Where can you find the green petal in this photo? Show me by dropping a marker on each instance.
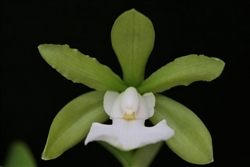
(132, 39)
(80, 68)
(19, 155)
(124, 157)
(183, 71)
(192, 141)
(73, 122)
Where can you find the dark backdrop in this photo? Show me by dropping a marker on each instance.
(32, 92)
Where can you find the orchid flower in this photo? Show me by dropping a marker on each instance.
(128, 111)
(129, 102)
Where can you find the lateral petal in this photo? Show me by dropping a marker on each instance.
(108, 100)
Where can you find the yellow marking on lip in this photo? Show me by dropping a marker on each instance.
(129, 116)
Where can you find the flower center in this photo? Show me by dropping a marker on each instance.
(129, 116)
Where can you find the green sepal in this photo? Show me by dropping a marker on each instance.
(183, 71)
(191, 141)
(81, 68)
(132, 38)
(73, 122)
(19, 154)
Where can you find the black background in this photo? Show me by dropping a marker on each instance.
(32, 92)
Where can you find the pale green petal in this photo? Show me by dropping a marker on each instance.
(132, 39)
(183, 71)
(124, 157)
(72, 123)
(81, 68)
(192, 141)
(19, 154)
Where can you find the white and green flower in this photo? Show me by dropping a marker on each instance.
(129, 102)
(128, 111)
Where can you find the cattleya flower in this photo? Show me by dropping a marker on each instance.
(129, 102)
